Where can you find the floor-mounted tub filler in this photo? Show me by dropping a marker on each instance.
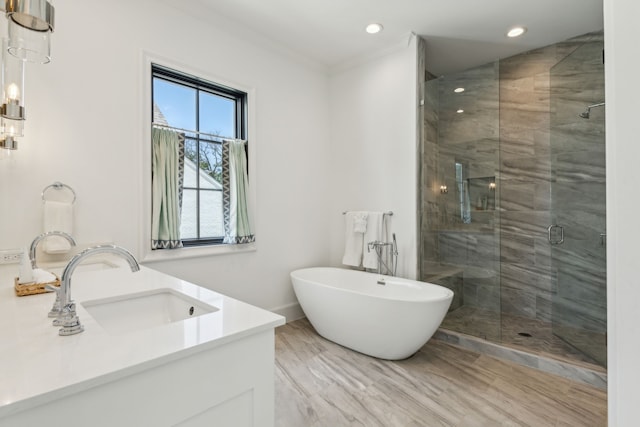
(381, 316)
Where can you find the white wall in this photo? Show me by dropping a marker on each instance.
(84, 124)
(623, 234)
(373, 147)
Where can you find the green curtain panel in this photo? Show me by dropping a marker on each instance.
(166, 189)
(235, 183)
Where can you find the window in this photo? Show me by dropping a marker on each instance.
(204, 113)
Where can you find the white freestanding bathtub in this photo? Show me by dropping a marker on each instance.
(389, 321)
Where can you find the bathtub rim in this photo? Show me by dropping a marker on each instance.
(425, 297)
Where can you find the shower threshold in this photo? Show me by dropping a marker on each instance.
(574, 370)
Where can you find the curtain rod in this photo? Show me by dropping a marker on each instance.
(192, 131)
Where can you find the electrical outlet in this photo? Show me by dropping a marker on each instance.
(10, 256)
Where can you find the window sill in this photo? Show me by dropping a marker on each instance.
(195, 252)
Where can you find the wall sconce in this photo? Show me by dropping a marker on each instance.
(492, 186)
(30, 24)
(444, 189)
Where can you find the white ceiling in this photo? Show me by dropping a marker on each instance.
(460, 33)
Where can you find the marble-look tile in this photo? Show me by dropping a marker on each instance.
(525, 169)
(526, 277)
(580, 314)
(518, 302)
(587, 376)
(544, 311)
(516, 248)
(579, 167)
(527, 64)
(517, 196)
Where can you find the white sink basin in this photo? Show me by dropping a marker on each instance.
(125, 313)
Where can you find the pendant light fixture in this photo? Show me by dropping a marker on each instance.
(30, 24)
(12, 110)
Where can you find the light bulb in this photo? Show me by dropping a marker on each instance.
(516, 32)
(374, 28)
(13, 92)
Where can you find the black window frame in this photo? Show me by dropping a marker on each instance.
(206, 86)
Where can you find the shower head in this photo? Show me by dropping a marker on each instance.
(586, 113)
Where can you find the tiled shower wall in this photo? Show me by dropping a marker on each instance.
(503, 254)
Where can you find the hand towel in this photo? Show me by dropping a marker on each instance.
(360, 222)
(374, 233)
(353, 242)
(43, 276)
(58, 216)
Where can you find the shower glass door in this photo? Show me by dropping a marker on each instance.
(577, 234)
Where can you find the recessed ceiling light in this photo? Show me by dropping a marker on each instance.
(374, 28)
(460, 110)
(459, 90)
(516, 32)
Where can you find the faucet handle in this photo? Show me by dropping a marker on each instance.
(56, 309)
(69, 320)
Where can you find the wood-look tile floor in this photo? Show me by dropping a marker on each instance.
(321, 384)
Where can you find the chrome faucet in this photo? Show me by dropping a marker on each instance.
(38, 239)
(378, 247)
(67, 318)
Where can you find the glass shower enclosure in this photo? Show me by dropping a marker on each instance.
(512, 199)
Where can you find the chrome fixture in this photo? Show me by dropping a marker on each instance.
(586, 113)
(378, 246)
(38, 239)
(55, 310)
(68, 319)
(30, 24)
(552, 234)
(59, 186)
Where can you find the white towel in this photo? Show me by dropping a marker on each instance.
(360, 222)
(374, 233)
(353, 242)
(43, 276)
(58, 216)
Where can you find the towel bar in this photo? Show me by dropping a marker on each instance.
(59, 186)
(389, 213)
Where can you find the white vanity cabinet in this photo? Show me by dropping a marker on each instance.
(217, 370)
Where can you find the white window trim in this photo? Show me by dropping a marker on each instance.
(146, 254)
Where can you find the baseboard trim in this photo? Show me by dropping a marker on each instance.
(291, 311)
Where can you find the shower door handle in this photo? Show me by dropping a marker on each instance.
(550, 234)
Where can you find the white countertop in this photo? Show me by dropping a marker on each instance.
(38, 366)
